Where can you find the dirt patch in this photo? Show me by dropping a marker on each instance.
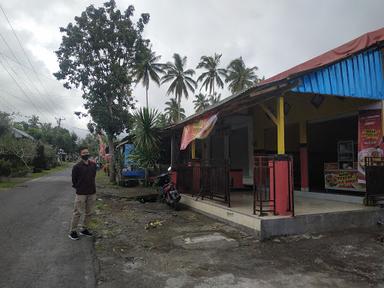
(130, 255)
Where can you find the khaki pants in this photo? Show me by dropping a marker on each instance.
(84, 206)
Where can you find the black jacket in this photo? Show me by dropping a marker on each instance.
(83, 178)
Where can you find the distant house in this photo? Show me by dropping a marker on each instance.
(21, 134)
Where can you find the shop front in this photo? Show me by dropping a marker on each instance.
(325, 116)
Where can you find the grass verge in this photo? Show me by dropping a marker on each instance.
(12, 182)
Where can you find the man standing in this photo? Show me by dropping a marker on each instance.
(83, 180)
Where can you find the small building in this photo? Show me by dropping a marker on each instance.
(17, 133)
(289, 155)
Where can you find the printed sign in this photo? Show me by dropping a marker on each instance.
(342, 179)
(370, 139)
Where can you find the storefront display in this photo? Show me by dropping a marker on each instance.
(343, 175)
(342, 179)
(370, 139)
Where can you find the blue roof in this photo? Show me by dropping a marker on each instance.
(359, 76)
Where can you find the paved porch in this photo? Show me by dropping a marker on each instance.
(314, 213)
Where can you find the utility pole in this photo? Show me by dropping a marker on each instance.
(58, 121)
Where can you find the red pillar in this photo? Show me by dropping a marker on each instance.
(304, 167)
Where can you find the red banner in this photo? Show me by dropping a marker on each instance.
(370, 139)
(197, 130)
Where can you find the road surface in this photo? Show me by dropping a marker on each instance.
(35, 250)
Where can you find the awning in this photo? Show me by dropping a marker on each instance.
(197, 130)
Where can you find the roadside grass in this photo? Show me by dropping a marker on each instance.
(102, 179)
(12, 182)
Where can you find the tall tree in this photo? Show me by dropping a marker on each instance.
(239, 76)
(149, 68)
(213, 73)
(214, 98)
(201, 102)
(174, 111)
(181, 79)
(34, 121)
(99, 53)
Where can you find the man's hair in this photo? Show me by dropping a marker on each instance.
(82, 148)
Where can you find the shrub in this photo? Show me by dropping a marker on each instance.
(39, 162)
(5, 168)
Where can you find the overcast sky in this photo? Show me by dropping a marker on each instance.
(273, 35)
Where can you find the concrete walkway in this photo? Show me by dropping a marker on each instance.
(35, 250)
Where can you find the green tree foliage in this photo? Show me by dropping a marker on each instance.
(22, 150)
(239, 76)
(99, 53)
(162, 120)
(212, 75)
(174, 111)
(58, 137)
(181, 80)
(91, 142)
(148, 69)
(214, 98)
(39, 162)
(5, 168)
(201, 102)
(146, 138)
(5, 123)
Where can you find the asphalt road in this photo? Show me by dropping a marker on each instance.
(35, 250)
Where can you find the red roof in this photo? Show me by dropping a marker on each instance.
(363, 42)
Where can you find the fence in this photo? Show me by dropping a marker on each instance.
(374, 176)
(209, 179)
(273, 185)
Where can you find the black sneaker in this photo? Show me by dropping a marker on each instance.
(73, 236)
(85, 232)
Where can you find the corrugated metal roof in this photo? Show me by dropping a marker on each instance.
(352, 47)
(358, 76)
(19, 133)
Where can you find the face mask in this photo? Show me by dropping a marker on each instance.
(85, 157)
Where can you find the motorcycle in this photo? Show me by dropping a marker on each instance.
(167, 190)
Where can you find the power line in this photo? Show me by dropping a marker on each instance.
(21, 88)
(26, 55)
(26, 74)
(23, 65)
(16, 74)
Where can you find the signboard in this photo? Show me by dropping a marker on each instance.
(342, 180)
(370, 139)
(197, 130)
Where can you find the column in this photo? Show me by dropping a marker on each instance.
(304, 157)
(280, 126)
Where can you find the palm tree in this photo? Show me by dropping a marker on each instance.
(146, 138)
(162, 120)
(201, 102)
(212, 74)
(181, 79)
(173, 111)
(149, 69)
(239, 76)
(214, 98)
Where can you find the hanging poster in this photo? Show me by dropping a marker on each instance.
(197, 130)
(370, 139)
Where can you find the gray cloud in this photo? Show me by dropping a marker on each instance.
(273, 35)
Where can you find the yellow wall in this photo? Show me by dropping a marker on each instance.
(301, 112)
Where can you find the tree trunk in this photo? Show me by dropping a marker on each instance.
(146, 95)
(178, 108)
(112, 172)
